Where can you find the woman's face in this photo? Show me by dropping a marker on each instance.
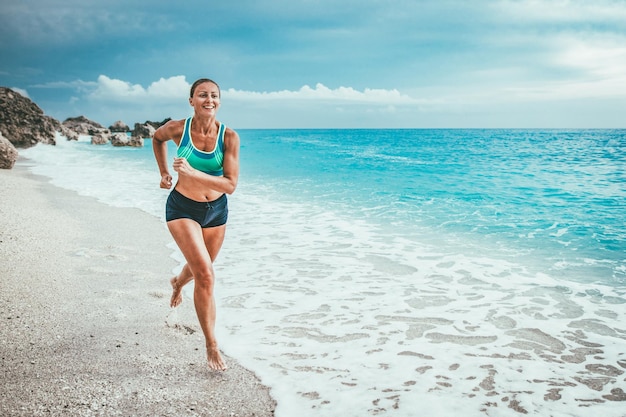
(206, 99)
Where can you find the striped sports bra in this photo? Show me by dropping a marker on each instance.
(211, 163)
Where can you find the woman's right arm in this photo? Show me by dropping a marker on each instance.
(170, 130)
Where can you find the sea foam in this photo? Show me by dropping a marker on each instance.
(395, 306)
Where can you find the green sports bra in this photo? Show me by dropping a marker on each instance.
(211, 163)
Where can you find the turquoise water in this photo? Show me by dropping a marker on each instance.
(409, 272)
(556, 198)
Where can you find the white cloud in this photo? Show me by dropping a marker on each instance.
(78, 85)
(111, 89)
(176, 89)
(173, 87)
(597, 67)
(571, 11)
(109, 99)
(21, 91)
(323, 93)
(601, 56)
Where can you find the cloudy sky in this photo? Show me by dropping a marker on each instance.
(323, 63)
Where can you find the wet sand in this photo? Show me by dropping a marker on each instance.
(86, 325)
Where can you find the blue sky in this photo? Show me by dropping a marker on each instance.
(324, 63)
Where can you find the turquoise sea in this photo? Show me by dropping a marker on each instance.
(410, 272)
(557, 199)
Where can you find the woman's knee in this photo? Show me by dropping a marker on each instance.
(204, 277)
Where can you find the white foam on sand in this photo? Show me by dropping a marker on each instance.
(342, 318)
(114, 176)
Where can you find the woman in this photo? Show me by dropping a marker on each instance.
(207, 164)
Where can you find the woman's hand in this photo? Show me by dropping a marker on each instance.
(166, 181)
(181, 165)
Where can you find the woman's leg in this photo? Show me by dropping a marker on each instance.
(213, 239)
(192, 241)
(178, 282)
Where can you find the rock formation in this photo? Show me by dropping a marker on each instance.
(119, 126)
(143, 130)
(136, 141)
(83, 126)
(23, 123)
(156, 125)
(119, 139)
(101, 137)
(122, 139)
(116, 134)
(8, 153)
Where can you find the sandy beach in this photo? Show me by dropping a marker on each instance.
(86, 323)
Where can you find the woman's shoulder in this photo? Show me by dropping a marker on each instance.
(175, 124)
(230, 133)
(231, 137)
(171, 129)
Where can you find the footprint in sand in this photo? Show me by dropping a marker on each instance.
(171, 321)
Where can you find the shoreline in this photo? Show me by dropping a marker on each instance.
(86, 323)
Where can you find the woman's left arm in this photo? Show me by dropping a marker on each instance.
(231, 161)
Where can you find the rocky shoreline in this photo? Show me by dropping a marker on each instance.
(23, 124)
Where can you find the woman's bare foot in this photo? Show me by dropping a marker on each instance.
(216, 363)
(177, 296)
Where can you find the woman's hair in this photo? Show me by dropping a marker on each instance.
(202, 81)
